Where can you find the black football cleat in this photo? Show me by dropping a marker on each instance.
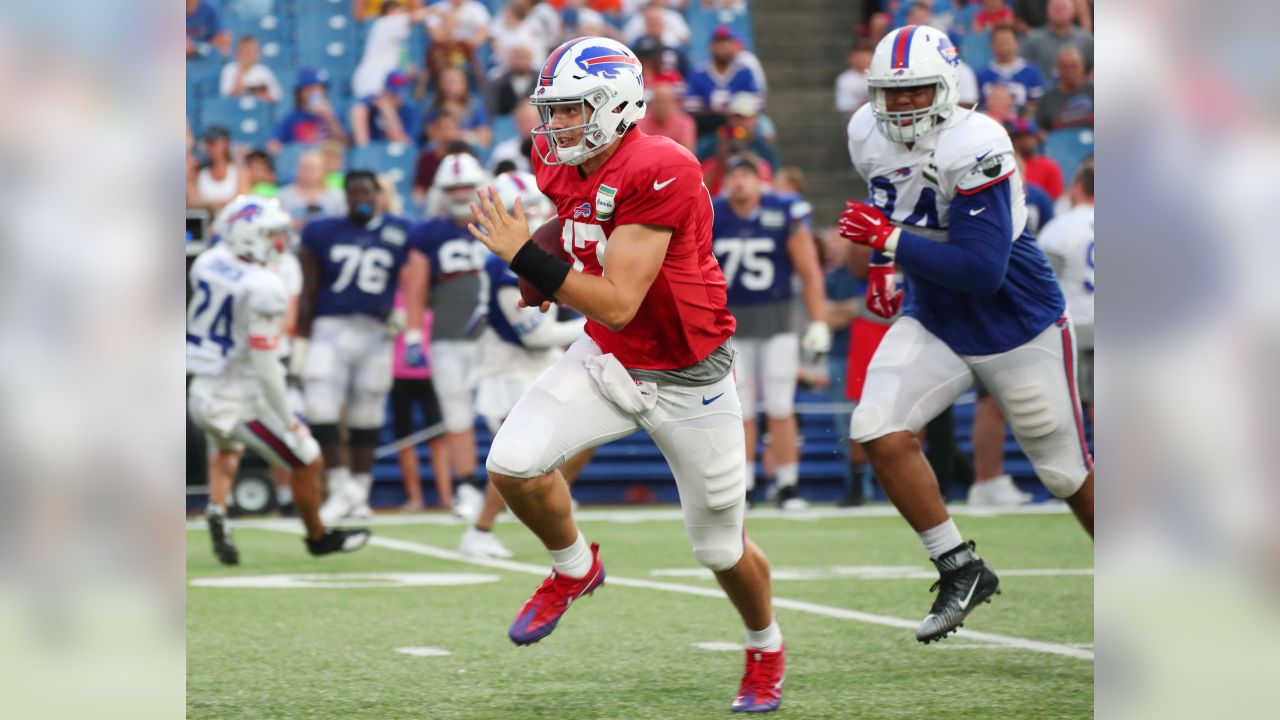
(338, 540)
(965, 582)
(224, 548)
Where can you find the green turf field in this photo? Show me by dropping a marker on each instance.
(849, 589)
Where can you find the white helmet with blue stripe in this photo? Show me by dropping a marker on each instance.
(515, 184)
(914, 56)
(255, 228)
(603, 78)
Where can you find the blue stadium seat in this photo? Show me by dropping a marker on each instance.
(1069, 148)
(328, 40)
(975, 50)
(249, 120)
(395, 160)
(287, 161)
(503, 127)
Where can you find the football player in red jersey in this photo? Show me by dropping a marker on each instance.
(657, 354)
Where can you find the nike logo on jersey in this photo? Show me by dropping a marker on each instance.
(977, 212)
(659, 185)
(705, 401)
(965, 603)
(983, 156)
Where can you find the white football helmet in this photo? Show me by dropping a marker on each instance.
(257, 229)
(603, 77)
(912, 56)
(515, 184)
(458, 178)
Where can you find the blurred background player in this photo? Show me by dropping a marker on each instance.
(1068, 243)
(514, 347)
(657, 354)
(238, 394)
(763, 242)
(454, 261)
(983, 303)
(412, 387)
(350, 268)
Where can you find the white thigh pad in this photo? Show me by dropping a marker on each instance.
(451, 360)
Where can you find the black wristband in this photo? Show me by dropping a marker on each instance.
(545, 271)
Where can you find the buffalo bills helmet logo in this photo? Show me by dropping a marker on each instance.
(948, 51)
(248, 212)
(606, 62)
(583, 211)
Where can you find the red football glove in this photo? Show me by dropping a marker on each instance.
(883, 296)
(865, 225)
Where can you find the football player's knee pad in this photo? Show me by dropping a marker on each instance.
(717, 547)
(779, 397)
(323, 399)
(367, 410)
(513, 457)
(325, 433)
(868, 423)
(1062, 484)
(365, 436)
(308, 450)
(457, 409)
(1028, 409)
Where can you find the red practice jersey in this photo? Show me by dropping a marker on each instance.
(649, 180)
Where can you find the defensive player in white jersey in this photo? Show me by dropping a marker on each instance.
(1068, 242)
(948, 207)
(515, 346)
(237, 395)
(764, 244)
(350, 268)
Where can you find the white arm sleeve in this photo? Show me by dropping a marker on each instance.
(537, 331)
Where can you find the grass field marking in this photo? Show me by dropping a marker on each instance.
(424, 651)
(658, 514)
(718, 646)
(866, 572)
(343, 580)
(797, 605)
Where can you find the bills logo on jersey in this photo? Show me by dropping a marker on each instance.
(604, 203)
(606, 62)
(902, 172)
(948, 51)
(582, 211)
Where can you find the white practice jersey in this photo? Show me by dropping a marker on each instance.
(231, 301)
(1068, 242)
(290, 272)
(915, 186)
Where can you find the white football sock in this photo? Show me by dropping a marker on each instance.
(768, 639)
(336, 479)
(284, 494)
(940, 539)
(788, 475)
(751, 476)
(573, 561)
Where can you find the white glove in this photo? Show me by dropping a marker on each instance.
(395, 322)
(817, 338)
(298, 356)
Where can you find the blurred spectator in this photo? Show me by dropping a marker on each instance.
(577, 19)
(247, 76)
(454, 94)
(1044, 45)
(510, 86)
(1032, 14)
(1039, 204)
(465, 21)
(1040, 170)
(262, 173)
(664, 117)
(519, 24)
(383, 49)
(308, 196)
(544, 21)
(220, 178)
(516, 150)
(851, 85)
(993, 13)
(444, 52)
(653, 42)
(790, 180)
(741, 134)
(1069, 104)
(1000, 104)
(335, 165)
(921, 13)
(443, 132)
(657, 70)
(389, 116)
(731, 71)
(673, 28)
(312, 119)
(363, 10)
(205, 30)
(1023, 80)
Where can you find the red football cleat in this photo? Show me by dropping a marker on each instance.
(761, 689)
(542, 611)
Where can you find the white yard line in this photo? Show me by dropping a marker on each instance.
(667, 513)
(796, 605)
